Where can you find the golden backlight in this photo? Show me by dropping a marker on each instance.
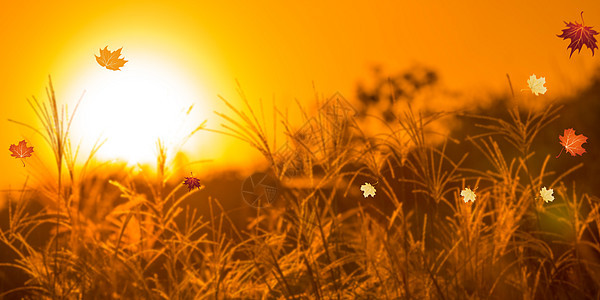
(146, 100)
(375, 150)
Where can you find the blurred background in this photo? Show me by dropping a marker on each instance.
(189, 53)
(393, 65)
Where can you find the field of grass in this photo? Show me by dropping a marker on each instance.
(111, 232)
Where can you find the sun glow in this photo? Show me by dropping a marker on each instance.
(147, 100)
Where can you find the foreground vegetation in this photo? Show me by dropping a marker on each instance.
(137, 235)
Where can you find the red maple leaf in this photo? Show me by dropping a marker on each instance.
(21, 150)
(580, 35)
(572, 142)
(192, 182)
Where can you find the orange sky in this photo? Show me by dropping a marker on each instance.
(278, 50)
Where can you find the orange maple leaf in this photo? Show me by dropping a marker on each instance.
(110, 59)
(572, 142)
(21, 151)
(580, 35)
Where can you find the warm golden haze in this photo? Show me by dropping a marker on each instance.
(278, 52)
(300, 150)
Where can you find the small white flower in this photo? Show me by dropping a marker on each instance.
(468, 195)
(547, 194)
(367, 189)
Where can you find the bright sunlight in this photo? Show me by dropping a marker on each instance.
(377, 150)
(146, 100)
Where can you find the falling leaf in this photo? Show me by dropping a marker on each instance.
(367, 190)
(572, 142)
(547, 194)
(468, 195)
(580, 35)
(192, 182)
(21, 151)
(536, 85)
(110, 59)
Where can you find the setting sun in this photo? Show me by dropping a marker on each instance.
(146, 100)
